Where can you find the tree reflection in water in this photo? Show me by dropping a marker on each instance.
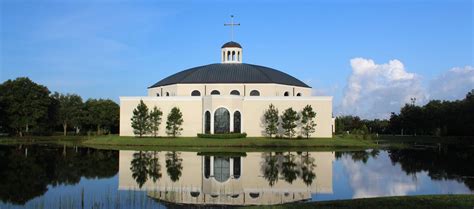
(359, 156)
(288, 166)
(443, 163)
(25, 175)
(173, 165)
(144, 165)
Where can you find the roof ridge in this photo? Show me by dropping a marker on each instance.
(254, 66)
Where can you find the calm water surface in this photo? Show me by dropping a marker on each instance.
(59, 177)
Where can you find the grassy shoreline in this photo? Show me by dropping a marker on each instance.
(241, 144)
(398, 202)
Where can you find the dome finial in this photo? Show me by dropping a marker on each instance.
(232, 24)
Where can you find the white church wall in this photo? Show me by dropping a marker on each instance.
(191, 107)
(265, 89)
(255, 107)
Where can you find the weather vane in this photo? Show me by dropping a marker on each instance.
(232, 24)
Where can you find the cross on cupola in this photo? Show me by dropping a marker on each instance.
(232, 24)
(231, 51)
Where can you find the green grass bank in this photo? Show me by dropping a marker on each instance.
(113, 140)
(402, 202)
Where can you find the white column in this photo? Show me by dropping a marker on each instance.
(212, 122)
(231, 121)
(231, 167)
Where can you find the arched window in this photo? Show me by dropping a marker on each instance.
(221, 121)
(236, 167)
(207, 122)
(233, 55)
(228, 55)
(298, 94)
(195, 93)
(286, 94)
(235, 92)
(237, 119)
(215, 92)
(167, 94)
(207, 166)
(238, 56)
(221, 168)
(157, 94)
(254, 93)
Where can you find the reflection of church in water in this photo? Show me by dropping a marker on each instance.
(252, 178)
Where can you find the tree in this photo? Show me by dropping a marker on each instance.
(174, 122)
(289, 121)
(308, 124)
(271, 120)
(24, 103)
(155, 120)
(174, 165)
(70, 110)
(103, 114)
(140, 120)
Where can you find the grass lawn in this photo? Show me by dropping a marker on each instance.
(412, 202)
(248, 142)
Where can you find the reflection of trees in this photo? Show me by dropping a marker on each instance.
(288, 167)
(173, 165)
(25, 177)
(145, 165)
(289, 170)
(448, 163)
(270, 168)
(154, 167)
(359, 156)
(307, 167)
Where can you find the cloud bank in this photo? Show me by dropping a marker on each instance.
(375, 90)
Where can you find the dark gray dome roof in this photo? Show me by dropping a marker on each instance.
(230, 73)
(231, 44)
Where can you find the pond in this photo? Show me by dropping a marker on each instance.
(75, 177)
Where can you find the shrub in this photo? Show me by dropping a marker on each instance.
(223, 136)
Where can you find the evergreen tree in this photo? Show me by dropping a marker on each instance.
(308, 124)
(155, 120)
(271, 120)
(174, 122)
(288, 121)
(140, 119)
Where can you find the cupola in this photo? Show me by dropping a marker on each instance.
(231, 52)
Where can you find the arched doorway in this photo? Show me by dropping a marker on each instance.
(237, 122)
(207, 122)
(221, 121)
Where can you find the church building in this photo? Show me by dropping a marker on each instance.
(230, 96)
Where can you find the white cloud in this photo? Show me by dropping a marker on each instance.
(374, 90)
(453, 84)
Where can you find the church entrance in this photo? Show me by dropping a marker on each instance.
(221, 121)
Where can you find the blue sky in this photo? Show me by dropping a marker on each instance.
(109, 49)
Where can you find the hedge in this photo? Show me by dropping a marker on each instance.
(223, 136)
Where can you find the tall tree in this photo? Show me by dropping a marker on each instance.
(140, 119)
(174, 122)
(24, 103)
(103, 114)
(271, 120)
(307, 120)
(174, 165)
(70, 109)
(155, 120)
(289, 121)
